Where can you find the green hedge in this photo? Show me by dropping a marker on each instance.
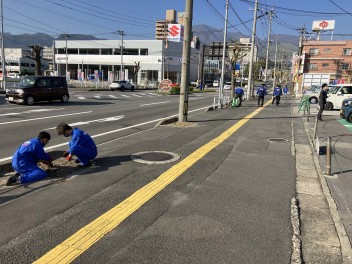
(176, 90)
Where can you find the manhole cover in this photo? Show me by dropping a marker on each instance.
(155, 157)
(278, 140)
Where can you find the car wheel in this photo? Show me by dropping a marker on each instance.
(329, 106)
(122, 88)
(64, 98)
(349, 119)
(313, 100)
(30, 100)
(132, 88)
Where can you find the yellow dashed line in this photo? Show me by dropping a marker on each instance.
(84, 238)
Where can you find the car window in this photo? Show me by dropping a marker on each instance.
(57, 82)
(346, 90)
(27, 81)
(334, 89)
(43, 82)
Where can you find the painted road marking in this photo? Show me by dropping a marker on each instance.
(44, 117)
(346, 124)
(81, 97)
(124, 95)
(84, 238)
(107, 119)
(114, 131)
(155, 103)
(136, 95)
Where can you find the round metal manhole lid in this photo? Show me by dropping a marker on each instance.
(155, 157)
(278, 140)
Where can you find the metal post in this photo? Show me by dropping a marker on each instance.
(250, 89)
(183, 105)
(274, 81)
(328, 156)
(66, 36)
(122, 75)
(315, 127)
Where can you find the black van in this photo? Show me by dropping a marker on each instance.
(33, 89)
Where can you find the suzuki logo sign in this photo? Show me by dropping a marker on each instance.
(323, 25)
(175, 32)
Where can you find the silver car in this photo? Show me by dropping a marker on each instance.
(121, 85)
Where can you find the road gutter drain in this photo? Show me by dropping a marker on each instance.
(155, 157)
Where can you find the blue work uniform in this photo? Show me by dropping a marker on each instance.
(276, 95)
(83, 146)
(239, 94)
(285, 90)
(261, 92)
(26, 158)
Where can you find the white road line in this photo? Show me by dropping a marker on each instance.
(81, 97)
(44, 117)
(112, 96)
(7, 114)
(124, 95)
(114, 131)
(136, 95)
(31, 111)
(154, 94)
(155, 103)
(97, 96)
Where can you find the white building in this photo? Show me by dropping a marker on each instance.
(156, 62)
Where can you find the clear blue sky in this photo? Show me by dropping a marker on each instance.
(137, 17)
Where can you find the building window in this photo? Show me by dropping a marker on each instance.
(345, 66)
(325, 65)
(327, 50)
(312, 66)
(144, 52)
(313, 51)
(346, 52)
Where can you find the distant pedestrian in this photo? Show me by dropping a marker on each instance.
(285, 90)
(277, 95)
(26, 158)
(239, 94)
(322, 100)
(81, 144)
(261, 92)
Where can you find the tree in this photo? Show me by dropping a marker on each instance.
(135, 69)
(235, 53)
(35, 54)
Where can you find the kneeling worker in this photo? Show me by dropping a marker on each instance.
(81, 144)
(26, 158)
(239, 94)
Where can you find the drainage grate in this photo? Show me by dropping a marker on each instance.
(278, 140)
(155, 157)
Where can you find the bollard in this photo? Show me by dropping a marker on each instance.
(308, 113)
(315, 127)
(328, 156)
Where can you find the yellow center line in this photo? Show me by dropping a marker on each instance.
(84, 238)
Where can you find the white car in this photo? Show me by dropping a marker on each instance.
(121, 85)
(227, 86)
(337, 93)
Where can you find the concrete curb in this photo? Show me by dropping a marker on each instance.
(346, 249)
(167, 121)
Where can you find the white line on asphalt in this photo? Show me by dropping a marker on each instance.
(124, 95)
(136, 95)
(44, 117)
(154, 94)
(7, 114)
(97, 96)
(81, 97)
(113, 96)
(155, 103)
(117, 130)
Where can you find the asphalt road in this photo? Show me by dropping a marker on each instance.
(95, 112)
(228, 205)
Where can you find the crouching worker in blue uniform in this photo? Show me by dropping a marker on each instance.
(26, 158)
(81, 144)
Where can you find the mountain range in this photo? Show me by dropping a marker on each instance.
(206, 34)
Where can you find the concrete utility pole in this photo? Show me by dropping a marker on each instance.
(274, 81)
(3, 66)
(221, 88)
(302, 30)
(66, 36)
(183, 105)
(250, 88)
(122, 73)
(271, 12)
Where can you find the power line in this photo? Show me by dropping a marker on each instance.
(340, 8)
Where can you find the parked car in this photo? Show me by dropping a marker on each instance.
(121, 85)
(346, 110)
(33, 89)
(337, 93)
(216, 83)
(227, 86)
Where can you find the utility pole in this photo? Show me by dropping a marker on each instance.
(221, 88)
(3, 50)
(302, 30)
(66, 36)
(274, 81)
(250, 89)
(122, 73)
(183, 105)
(271, 12)
(202, 86)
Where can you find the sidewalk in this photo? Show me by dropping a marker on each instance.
(337, 187)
